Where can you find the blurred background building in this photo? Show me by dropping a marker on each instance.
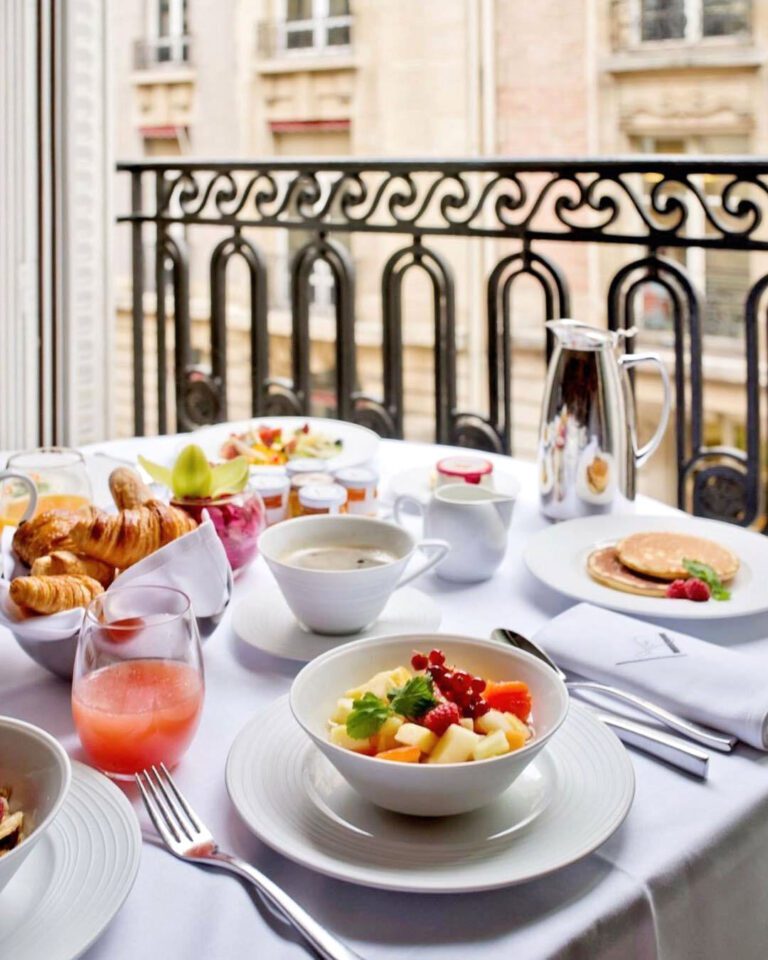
(246, 79)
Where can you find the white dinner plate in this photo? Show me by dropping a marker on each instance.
(558, 557)
(359, 445)
(570, 799)
(77, 877)
(262, 619)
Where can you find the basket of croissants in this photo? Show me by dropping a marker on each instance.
(66, 558)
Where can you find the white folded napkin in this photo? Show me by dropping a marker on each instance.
(195, 563)
(716, 686)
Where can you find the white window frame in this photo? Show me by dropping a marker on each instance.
(320, 24)
(176, 41)
(694, 24)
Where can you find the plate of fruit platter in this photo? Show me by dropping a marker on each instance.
(405, 766)
(674, 567)
(274, 441)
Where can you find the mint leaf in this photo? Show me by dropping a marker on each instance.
(704, 572)
(414, 698)
(367, 717)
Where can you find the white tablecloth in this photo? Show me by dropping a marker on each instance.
(686, 876)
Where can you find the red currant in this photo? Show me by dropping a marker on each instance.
(478, 684)
(461, 682)
(478, 708)
(437, 673)
(419, 661)
(436, 657)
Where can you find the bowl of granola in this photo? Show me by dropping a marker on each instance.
(35, 775)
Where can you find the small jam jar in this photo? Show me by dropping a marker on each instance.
(301, 480)
(361, 485)
(329, 498)
(296, 468)
(274, 492)
(464, 470)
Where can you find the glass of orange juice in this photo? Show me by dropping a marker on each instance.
(137, 686)
(61, 478)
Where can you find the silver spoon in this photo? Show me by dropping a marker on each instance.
(693, 731)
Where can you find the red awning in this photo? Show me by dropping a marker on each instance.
(302, 126)
(160, 133)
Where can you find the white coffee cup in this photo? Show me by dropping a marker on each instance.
(341, 602)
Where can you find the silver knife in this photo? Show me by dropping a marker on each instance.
(673, 750)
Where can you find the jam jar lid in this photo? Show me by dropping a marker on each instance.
(267, 470)
(270, 486)
(323, 495)
(466, 467)
(302, 466)
(357, 477)
(311, 479)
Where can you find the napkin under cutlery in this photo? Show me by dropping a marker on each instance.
(716, 686)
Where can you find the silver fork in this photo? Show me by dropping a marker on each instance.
(187, 837)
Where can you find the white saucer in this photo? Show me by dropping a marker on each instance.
(263, 620)
(566, 803)
(77, 877)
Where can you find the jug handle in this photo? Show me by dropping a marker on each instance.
(632, 360)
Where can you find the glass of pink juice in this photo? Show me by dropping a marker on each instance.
(137, 687)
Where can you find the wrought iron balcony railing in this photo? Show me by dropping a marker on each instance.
(164, 51)
(661, 207)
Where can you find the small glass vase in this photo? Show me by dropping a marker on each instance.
(239, 519)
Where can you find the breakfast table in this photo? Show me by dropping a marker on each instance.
(685, 876)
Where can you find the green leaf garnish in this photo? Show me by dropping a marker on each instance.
(229, 477)
(704, 572)
(367, 717)
(158, 473)
(414, 698)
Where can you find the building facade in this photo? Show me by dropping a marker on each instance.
(243, 79)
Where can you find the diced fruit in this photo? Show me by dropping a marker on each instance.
(455, 746)
(676, 590)
(342, 710)
(439, 718)
(467, 722)
(493, 720)
(511, 696)
(398, 678)
(517, 725)
(385, 738)
(515, 739)
(341, 738)
(494, 745)
(381, 684)
(697, 590)
(414, 735)
(401, 754)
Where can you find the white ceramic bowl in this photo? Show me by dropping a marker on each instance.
(426, 789)
(37, 769)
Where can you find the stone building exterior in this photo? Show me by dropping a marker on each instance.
(242, 79)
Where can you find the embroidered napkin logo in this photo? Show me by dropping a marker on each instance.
(655, 646)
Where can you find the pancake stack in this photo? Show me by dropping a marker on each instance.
(646, 563)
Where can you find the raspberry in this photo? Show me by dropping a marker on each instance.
(439, 718)
(436, 657)
(697, 590)
(676, 590)
(419, 661)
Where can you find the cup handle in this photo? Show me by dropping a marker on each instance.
(29, 484)
(440, 548)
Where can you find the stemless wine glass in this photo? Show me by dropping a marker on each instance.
(60, 475)
(137, 686)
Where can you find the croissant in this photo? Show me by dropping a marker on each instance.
(46, 532)
(127, 489)
(63, 561)
(53, 594)
(131, 535)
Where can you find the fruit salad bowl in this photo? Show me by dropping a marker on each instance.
(425, 789)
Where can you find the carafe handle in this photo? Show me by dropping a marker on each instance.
(635, 359)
